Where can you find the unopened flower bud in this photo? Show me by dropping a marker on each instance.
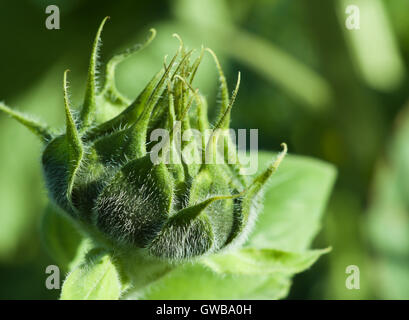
(101, 173)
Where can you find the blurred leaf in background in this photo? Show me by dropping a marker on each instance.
(384, 70)
(388, 219)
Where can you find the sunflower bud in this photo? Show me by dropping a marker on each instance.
(102, 173)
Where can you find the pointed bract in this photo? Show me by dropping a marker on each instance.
(224, 118)
(141, 126)
(223, 85)
(109, 89)
(127, 117)
(89, 107)
(40, 130)
(261, 180)
(195, 65)
(75, 147)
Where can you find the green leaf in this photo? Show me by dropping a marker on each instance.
(195, 281)
(251, 261)
(61, 237)
(294, 201)
(95, 279)
(245, 274)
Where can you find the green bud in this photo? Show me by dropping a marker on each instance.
(101, 173)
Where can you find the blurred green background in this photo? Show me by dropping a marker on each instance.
(331, 93)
